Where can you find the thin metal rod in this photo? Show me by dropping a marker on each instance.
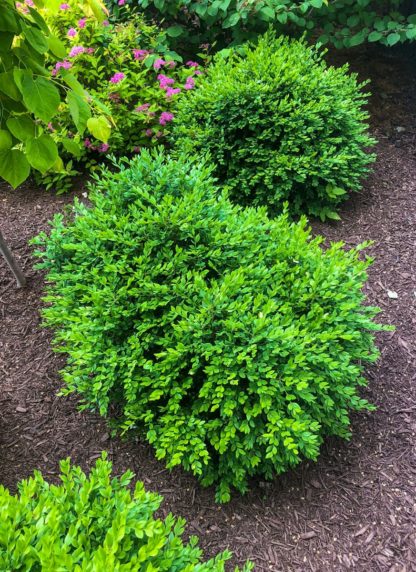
(14, 267)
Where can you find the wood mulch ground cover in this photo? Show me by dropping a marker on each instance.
(355, 509)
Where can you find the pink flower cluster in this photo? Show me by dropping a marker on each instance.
(76, 50)
(64, 65)
(190, 83)
(103, 148)
(140, 54)
(72, 33)
(82, 22)
(117, 77)
(64, 6)
(165, 117)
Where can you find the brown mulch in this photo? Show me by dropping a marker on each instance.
(355, 509)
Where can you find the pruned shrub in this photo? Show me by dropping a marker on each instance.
(93, 523)
(234, 341)
(280, 125)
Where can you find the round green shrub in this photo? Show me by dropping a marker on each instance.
(280, 125)
(93, 524)
(235, 341)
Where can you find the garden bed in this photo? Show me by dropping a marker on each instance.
(355, 507)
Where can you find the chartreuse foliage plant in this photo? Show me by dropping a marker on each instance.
(234, 342)
(280, 125)
(29, 97)
(343, 23)
(94, 524)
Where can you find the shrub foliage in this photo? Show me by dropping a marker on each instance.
(93, 524)
(280, 125)
(236, 342)
(344, 23)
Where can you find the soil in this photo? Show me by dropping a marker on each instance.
(354, 509)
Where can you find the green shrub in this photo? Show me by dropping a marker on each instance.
(93, 524)
(235, 341)
(344, 23)
(280, 125)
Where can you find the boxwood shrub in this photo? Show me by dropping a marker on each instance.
(234, 341)
(280, 125)
(93, 524)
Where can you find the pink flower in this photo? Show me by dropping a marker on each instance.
(65, 65)
(106, 23)
(143, 107)
(87, 143)
(121, 2)
(136, 149)
(140, 54)
(190, 83)
(171, 64)
(149, 132)
(64, 7)
(117, 77)
(172, 91)
(165, 117)
(90, 50)
(30, 3)
(158, 64)
(50, 126)
(197, 72)
(72, 33)
(192, 64)
(75, 51)
(104, 148)
(81, 23)
(165, 81)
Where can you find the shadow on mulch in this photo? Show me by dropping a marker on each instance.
(355, 507)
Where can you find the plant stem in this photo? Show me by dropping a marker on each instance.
(14, 267)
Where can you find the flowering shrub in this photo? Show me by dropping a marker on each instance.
(344, 23)
(29, 97)
(235, 342)
(94, 523)
(128, 69)
(280, 126)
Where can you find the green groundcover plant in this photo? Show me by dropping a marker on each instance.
(343, 23)
(94, 524)
(280, 125)
(235, 342)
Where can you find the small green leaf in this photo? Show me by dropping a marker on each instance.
(99, 127)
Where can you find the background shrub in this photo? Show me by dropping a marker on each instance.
(131, 74)
(344, 23)
(234, 341)
(93, 523)
(280, 125)
(29, 98)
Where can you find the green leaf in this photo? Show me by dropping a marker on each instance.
(72, 147)
(41, 152)
(6, 141)
(8, 21)
(80, 111)
(9, 87)
(22, 127)
(35, 38)
(40, 96)
(393, 38)
(99, 127)
(57, 47)
(174, 31)
(375, 36)
(14, 167)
